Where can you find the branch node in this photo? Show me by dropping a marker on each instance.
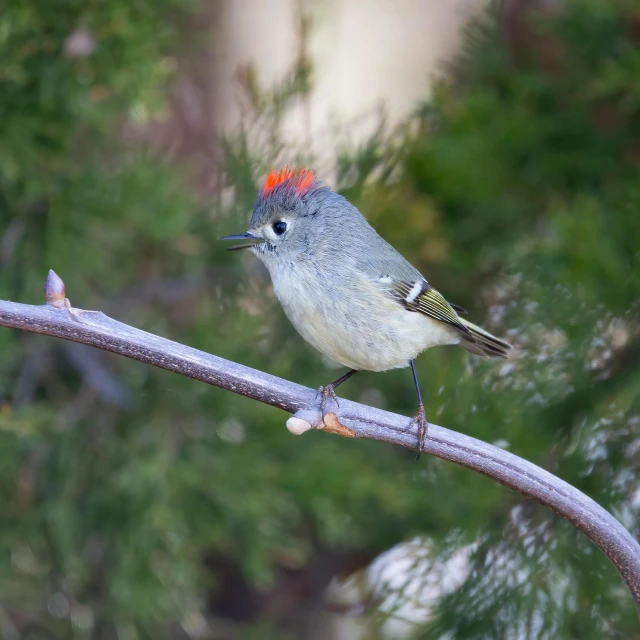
(333, 425)
(307, 419)
(304, 420)
(297, 426)
(54, 291)
(55, 296)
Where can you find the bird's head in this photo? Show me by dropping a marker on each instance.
(294, 215)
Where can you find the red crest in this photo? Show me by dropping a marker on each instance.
(299, 179)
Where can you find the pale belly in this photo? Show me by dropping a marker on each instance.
(370, 333)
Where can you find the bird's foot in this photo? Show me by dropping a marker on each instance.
(420, 420)
(325, 393)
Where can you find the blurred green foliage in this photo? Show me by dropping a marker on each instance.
(137, 504)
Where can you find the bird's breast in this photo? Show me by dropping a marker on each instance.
(352, 321)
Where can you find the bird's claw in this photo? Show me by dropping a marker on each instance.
(420, 420)
(325, 393)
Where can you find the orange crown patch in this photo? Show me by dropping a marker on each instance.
(301, 180)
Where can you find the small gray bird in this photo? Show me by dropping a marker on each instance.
(347, 291)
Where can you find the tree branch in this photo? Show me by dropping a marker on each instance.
(59, 319)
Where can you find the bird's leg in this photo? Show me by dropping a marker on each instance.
(329, 391)
(420, 418)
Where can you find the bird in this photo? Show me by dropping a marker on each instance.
(346, 290)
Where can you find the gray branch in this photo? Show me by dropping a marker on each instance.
(351, 419)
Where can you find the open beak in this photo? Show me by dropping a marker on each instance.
(250, 241)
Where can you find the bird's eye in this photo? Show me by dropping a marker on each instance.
(279, 227)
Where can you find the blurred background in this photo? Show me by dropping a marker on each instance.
(497, 145)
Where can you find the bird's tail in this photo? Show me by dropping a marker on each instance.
(482, 343)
